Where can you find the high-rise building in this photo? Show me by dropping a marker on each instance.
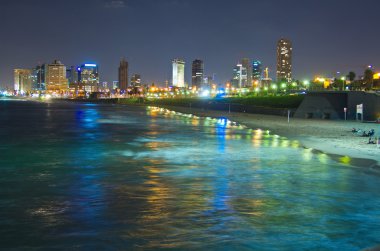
(284, 60)
(88, 75)
(22, 80)
(248, 68)
(209, 82)
(178, 73)
(197, 71)
(239, 78)
(136, 80)
(38, 78)
(123, 74)
(256, 70)
(72, 74)
(55, 77)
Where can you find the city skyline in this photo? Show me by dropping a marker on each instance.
(154, 44)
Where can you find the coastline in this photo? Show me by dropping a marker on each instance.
(328, 136)
(331, 137)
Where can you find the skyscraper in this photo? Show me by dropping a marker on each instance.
(38, 78)
(55, 75)
(239, 78)
(197, 70)
(256, 70)
(248, 69)
(284, 60)
(88, 75)
(22, 80)
(72, 75)
(123, 74)
(178, 73)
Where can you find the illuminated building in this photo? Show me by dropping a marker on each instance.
(376, 76)
(208, 82)
(197, 69)
(248, 69)
(136, 80)
(38, 78)
(72, 75)
(123, 74)
(22, 80)
(115, 85)
(256, 70)
(88, 76)
(239, 78)
(55, 77)
(178, 73)
(323, 82)
(284, 60)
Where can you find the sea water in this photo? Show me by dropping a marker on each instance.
(77, 176)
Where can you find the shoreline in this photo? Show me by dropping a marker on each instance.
(331, 137)
(328, 136)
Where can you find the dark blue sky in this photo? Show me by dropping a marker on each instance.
(327, 35)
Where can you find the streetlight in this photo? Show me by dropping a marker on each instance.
(343, 82)
(306, 83)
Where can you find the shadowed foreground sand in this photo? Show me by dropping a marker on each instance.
(331, 137)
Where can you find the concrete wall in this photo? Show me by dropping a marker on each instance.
(322, 105)
(330, 105)
(371, 105)
(242, 108)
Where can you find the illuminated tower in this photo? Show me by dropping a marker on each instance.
(256, 70)
(248, 70)
(239, 78)
(197, 73)
(22, 80)
(284, 60)
(72, 75)
(89, 77)
(178, 73)
(39, 77)
(55, 75)
(123, 74)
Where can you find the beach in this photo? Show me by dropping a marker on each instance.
(332, 137)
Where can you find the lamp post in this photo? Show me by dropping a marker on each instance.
(343, 82)
(306, 83)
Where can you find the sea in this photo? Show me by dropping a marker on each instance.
(84, 176)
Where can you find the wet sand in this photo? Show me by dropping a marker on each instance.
(328, 136)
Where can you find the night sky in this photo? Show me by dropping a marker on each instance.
(327, 35)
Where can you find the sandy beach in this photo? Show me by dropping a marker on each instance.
(328, 136)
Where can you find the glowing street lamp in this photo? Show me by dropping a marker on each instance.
(343, 82)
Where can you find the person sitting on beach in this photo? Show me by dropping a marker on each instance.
(371, 133)
(357, 132)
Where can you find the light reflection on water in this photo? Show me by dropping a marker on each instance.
(113, 177)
